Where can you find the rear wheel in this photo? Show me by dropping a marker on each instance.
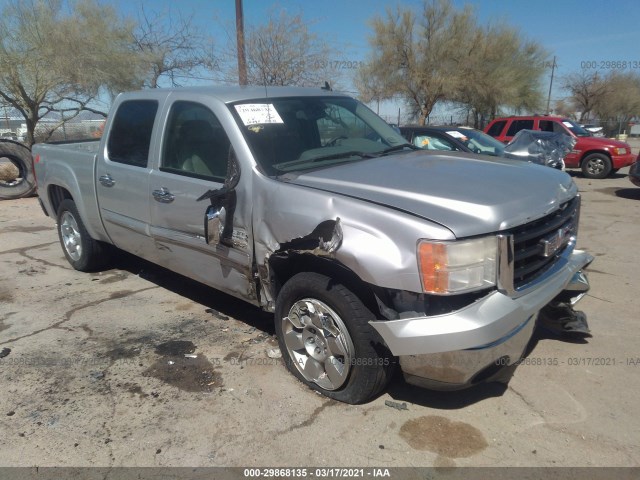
(326, 340)
(16, 171)
(83, 252)
(596, 165)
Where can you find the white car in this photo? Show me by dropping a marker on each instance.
(595, 130)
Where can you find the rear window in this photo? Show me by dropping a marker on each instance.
(131, 130)
(517, 125)
(496, 128)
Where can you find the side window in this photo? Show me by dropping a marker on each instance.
(131, 130)
(517, 125)
(546, 125)
(406, 134)
(496, 129)
(432, 142)
(195, 143)
(558, 128)
(551, 126)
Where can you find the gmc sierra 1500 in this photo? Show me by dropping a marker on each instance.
(368, 252)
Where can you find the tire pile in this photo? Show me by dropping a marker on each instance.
(16, 171)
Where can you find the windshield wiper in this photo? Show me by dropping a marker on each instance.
(351, 153)
(398, 147)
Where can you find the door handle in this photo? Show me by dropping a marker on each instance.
(107, 181)
(163, 195)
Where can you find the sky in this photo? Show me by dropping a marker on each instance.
(580, 33)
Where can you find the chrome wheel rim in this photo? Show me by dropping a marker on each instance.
(318, 343)
(595, 166)
(71, 239)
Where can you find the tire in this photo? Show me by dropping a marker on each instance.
(16, 171)
(596, 165)
(83, 252)
(326, 341)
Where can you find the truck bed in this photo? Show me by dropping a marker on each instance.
(71, 165)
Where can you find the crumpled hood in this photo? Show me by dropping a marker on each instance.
(470, 195)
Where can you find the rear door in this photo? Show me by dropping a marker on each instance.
(515, 126)
(495, 129)
(194, 157)
(122, 176)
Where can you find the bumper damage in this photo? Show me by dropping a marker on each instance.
(482, 342)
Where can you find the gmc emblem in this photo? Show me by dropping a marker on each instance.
(555, 241)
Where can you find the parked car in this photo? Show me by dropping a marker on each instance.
(447, 138)
(369, 252)
(634, 173)
(594, 130)
(597, 157)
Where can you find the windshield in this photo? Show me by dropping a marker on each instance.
(576, 129)
(477, 141)
(300, 133)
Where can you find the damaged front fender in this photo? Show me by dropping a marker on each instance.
(374, 242)
(323, 241)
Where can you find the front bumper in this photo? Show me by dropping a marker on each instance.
(621, 161)
(458, 348)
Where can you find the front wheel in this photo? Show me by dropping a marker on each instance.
(596, 165)
(83, 252)
(326, 340)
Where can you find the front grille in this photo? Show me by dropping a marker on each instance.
(539, 244)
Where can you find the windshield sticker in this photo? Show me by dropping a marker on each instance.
(567, 124)
(456, 134)
(258, 113)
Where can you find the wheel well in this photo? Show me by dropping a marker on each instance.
(590, 152)
(56, 195)
(283, 267)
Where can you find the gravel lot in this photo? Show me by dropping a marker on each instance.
(97, 373)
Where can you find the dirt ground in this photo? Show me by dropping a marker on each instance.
(135, 366)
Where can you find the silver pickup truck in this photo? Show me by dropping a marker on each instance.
(305, 203)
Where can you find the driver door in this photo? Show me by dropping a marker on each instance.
(194, 158)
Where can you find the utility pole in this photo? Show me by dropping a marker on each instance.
(553, 67)
(242, 59)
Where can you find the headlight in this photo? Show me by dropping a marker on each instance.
(448, 268)
(620, 151)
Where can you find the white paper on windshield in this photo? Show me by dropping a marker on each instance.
(567, 124)
(457, 134)
(258, 113)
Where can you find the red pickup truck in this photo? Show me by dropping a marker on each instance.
(598, 157)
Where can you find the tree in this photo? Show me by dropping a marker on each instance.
(587, 91)
(52, 60)
(170, 46)
(444, 56)
(621, 102)
(500, 69)
(417, 59)
(564, 108)
(284, 52)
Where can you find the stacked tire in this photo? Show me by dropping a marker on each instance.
(16, 171)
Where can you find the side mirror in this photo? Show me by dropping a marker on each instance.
(218, 219)
(214, 221)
